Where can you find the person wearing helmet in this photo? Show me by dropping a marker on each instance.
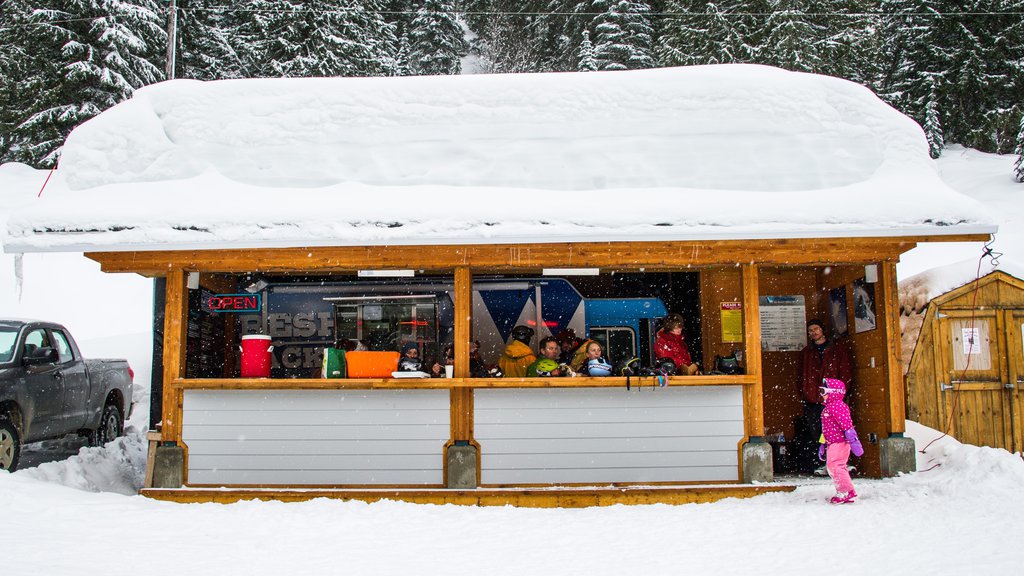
(670, 344)
(550, 351)
(518, 355)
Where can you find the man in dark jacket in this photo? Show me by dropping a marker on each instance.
(821, 358)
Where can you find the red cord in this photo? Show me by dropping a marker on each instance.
(40, 195)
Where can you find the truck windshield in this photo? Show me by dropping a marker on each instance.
(7, 337)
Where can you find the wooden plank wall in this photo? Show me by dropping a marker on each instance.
(601, 435)
(315, 437)
(985, 414)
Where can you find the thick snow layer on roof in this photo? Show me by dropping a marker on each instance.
(734, 151)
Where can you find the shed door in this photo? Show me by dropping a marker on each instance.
(1015, 358)
(972, 361)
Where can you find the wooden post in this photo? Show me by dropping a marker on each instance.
(462, 398)
(897, 412)
(752, 355)
(175, 332)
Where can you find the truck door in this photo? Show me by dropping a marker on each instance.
(45, 386)
(76, 384)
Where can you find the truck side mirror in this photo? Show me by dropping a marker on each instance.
(40, 356)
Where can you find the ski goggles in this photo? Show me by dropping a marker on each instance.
(826, 390)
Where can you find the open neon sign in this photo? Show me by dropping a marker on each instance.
(234, 303)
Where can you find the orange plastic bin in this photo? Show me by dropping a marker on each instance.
(363, 364)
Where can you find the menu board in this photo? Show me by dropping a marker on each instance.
(783, 323)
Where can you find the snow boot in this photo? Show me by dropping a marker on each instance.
(844, 497)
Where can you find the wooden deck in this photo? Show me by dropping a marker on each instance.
(575, 497)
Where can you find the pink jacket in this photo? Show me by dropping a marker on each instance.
(835, 417)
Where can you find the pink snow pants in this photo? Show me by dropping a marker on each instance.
(837, 455)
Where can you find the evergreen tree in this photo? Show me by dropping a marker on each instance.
(792, 40)
(324, 38)
(913, 55)
(436, 43)
(623, 35)
(208, 41)
(932, 126)
(586, 55)
(88, 56)
(700, 32)
(1018, 165)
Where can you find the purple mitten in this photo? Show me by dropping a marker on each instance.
(821, 452)
(855, 445)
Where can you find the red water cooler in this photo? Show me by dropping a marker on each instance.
(256, 350)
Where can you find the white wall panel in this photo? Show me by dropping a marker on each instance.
(600, 435)
(311, 437)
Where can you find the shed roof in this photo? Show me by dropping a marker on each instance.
(712, 152)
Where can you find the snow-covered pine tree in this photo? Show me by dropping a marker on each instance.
(90, 55)
(502, 44)
(932, 125)
(912, 55)
(792, 39)
(328, 38)
(699, 32)
(209, 45)
(1018, 165)
(436, 43)
(623, 34)
(586, 55)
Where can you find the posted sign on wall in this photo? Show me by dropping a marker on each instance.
(783, 321)
(233, 303)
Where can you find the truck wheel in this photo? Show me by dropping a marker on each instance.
(10, 445)
(111, 426)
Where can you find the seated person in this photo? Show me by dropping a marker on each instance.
(670, 344)
(594, 363)
(410, 358)
(579, 355)
(437, 368)
(547, 364)
(570, 343)
(517, 356)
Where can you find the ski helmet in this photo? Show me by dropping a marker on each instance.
(665, 366)
(627, 367)
(522, 333)
(545, 366)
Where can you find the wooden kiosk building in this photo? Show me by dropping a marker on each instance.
(749, 242)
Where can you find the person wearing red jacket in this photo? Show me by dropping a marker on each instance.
(821, 358)
(669, 343)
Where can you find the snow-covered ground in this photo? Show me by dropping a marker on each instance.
(962, 513)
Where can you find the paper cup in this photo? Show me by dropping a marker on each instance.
(449, 371)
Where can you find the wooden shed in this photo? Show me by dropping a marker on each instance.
(967, 369)
(712, 191)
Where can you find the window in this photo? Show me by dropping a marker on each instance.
(63, 348)
(618, 343)
(35, 340)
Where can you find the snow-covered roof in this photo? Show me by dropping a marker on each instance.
(711, 152)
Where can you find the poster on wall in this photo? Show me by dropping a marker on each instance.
(783, 323)
(863, 306)
(732, 322)
(837, 310)
(971, 338)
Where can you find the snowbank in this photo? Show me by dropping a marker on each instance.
(900, 526)
(737, 151)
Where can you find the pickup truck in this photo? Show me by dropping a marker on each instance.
(47, 390)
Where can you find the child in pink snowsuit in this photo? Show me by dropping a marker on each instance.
(840, 439)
